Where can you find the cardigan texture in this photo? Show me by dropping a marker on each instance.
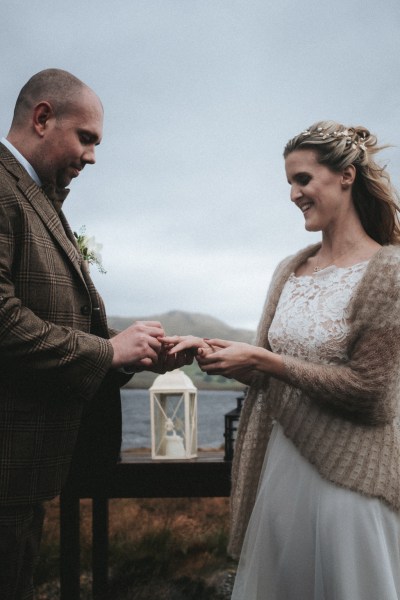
(342, 417)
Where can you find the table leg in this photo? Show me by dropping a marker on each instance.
(100, 547)
(69, 548)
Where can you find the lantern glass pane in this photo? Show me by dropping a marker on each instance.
(169, 415)
(193, 423)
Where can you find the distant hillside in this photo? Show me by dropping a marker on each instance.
(184, 323)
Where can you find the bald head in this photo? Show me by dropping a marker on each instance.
(58, 122)
(55, 86)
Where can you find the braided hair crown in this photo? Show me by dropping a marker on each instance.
(337, 145)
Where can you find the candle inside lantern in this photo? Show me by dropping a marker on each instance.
(174, 447)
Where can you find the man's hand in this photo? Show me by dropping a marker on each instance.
(179, 350)
(137, 346)
(170, 362)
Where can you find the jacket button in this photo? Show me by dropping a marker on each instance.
(85, 310)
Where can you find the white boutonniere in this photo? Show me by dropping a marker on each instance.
(89, 249)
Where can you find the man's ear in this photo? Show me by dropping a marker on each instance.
(42, 113)
(348, 176)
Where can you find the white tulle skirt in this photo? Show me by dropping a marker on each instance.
(311, 540)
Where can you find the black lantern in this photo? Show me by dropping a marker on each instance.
(231, 425)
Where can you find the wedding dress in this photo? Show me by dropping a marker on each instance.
(307, 538)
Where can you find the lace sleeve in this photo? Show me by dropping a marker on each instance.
(363, 386)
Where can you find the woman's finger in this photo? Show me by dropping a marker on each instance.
(218, 342)
(188, 343)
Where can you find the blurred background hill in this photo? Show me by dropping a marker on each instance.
(186, 323)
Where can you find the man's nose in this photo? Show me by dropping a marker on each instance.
(89, 155)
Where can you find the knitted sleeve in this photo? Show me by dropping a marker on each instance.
(363, 388)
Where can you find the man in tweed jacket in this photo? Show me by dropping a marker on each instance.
(59, 369)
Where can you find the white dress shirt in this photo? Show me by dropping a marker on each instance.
(21, 159)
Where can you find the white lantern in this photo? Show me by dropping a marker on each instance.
(173, 411)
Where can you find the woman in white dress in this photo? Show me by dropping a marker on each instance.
(316, 472)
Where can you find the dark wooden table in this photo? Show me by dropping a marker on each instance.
(136, 476)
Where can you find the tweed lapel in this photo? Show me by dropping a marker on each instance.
(43, 207)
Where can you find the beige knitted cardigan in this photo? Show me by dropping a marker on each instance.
(341, 417)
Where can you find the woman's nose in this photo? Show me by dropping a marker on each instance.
(295, 193)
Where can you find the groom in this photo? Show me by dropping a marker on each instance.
(61, 367)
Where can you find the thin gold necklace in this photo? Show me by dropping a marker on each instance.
(318, 268)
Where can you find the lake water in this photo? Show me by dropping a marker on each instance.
(211, 408)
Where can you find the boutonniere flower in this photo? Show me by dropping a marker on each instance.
(89, 249)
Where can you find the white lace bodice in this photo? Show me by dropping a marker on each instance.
(311, 319)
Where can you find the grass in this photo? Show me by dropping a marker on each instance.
(159, 548)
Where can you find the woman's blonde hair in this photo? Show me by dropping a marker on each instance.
(374, 197)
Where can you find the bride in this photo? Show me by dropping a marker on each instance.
(316, 471)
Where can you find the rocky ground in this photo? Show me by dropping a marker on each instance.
(218, 587)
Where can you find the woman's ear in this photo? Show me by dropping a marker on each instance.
(348, 176)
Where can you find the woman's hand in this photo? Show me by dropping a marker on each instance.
(239, 360)
(201, 349)
(236, 360)
(185, 343)
(227, 358)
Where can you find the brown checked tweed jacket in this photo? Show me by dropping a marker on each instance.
(55, 358)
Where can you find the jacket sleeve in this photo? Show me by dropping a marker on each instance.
(48, 340)
(364, 388)
(81, 359)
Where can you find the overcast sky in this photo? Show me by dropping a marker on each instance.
(188, 195)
